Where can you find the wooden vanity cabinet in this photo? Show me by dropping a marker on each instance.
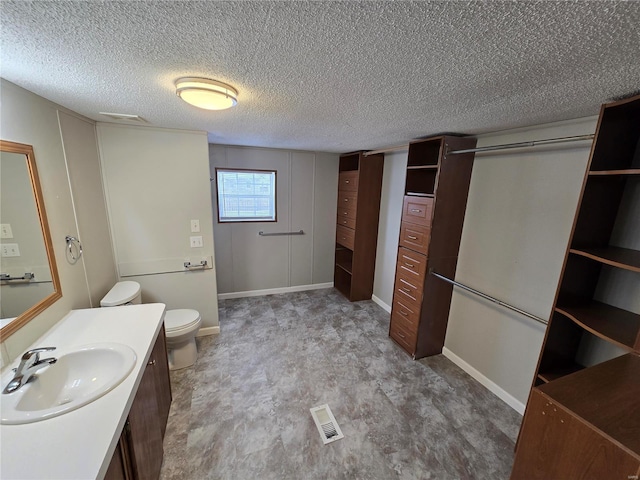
(139, 453)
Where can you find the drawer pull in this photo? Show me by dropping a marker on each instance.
(346, 199)
(410, 265)
(406, 289)
(344, 238)
(403, 313)
(344, 221)
(346, 181)
(401, 335)
(346, 213)
(411, 237)
(416, 210)
(152, 362)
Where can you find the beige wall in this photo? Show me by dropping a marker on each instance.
(28, 118)
(306, 200)
(156, 182)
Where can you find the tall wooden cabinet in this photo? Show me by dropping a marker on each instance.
(436, 188)
(359, 188)
(597, 302)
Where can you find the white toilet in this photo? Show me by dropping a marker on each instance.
(181, 325)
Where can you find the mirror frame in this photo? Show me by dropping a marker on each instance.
(26, 316)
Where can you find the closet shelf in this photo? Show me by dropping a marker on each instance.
(629, 171)
(614, 256)
(605, 321)
(417, 194)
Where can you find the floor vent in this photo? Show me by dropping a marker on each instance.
(326, 423)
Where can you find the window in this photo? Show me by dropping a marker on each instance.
(246, 195)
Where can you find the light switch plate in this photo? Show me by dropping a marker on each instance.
(10, 250)
(196, 241)
(195, 226)
(5, 230)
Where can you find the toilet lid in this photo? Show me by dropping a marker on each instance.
(121, 293)
(180, 318)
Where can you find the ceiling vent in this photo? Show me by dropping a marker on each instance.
(124, 117)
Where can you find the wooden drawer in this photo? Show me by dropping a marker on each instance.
(345, 236)
(346, 213)
(408, 290)
(406, 339)
(407, 317)
(415, 237)
(348, 180)
(347, 199)
(349, 222)
(411, 262)
(417, 210)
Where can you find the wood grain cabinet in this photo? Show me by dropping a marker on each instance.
(139, 452)
(596, 304)
(436, 188)
(359, 188)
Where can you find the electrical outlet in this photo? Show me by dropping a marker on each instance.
(196, 241)
(10, 250)
(5, 231)
(195, 226)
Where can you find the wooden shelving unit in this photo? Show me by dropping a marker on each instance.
(359, 188)
(434, 205)
(586, 316)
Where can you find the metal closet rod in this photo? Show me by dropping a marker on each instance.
(488, 297)
(493, 148)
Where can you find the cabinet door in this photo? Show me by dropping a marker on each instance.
(556, 444)
(160, 365)
(144, 430)
(120, 466)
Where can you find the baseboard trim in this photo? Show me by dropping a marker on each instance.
(274, 291)
(499, 392)
(204, 331)
(381, 304)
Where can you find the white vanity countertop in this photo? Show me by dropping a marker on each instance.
(80, 444)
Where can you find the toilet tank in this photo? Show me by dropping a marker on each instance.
(123, 293)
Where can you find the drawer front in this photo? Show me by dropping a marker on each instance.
(412, 262)
(346, 221)
(408, 291)
(346, 213)
(347, 199)
(345, 236)
(417, 210)
(415, 237)
(348, 181)
(405, 316)
(406, 339)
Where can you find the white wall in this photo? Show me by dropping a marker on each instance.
(519, 216)
(307, 185)
(395, 165)
(28, 118)
(156, 182)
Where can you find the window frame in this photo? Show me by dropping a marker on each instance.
(250, 170)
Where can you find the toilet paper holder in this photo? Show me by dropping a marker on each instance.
(189, 265)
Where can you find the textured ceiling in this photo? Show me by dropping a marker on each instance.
(329, 76)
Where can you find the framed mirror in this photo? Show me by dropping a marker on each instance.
(29, 280)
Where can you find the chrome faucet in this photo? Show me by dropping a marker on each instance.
(28, 367)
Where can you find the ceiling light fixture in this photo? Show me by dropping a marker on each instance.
(205, 93)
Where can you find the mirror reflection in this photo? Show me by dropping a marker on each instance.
(28, 279)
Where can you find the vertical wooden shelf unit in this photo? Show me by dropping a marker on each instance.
(359, 188)
(595, 302)
(435, 201)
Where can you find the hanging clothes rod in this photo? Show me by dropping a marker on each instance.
(487, 297)
(262, 234)
(493, 148)
(533, 143)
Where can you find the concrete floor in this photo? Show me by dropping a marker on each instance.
(242, 412)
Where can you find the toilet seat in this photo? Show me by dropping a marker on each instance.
(180, 320)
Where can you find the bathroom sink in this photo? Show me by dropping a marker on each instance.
(79, 377)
